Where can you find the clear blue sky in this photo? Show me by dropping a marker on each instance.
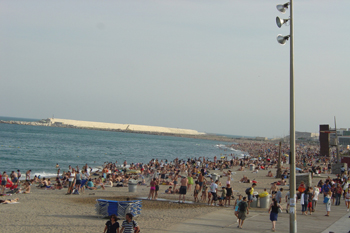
(213, 66)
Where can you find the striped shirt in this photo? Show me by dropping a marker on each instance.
(129, 226)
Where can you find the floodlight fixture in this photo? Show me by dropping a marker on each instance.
(280, 21)
(282, 7)
(282, 39)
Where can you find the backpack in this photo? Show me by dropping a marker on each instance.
(242, 206)
(134, 226)
(247, 191)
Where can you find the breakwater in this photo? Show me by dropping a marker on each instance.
(66, 123)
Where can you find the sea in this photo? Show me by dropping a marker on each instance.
(40, 148)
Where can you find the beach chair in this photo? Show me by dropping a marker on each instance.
(120, 208)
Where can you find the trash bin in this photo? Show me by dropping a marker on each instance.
(215, 176)
(254, 203)
(251, 167)
(132, 186)
(265, 202)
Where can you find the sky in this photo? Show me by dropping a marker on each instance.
(213, 66)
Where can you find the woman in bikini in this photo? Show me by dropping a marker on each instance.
(152, 189)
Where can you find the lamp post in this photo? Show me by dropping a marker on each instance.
(282, 40)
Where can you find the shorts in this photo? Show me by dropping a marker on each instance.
(78, 182)
(157, 187)
(162, 176)
(200, 184)
(242, 215)
(3, 182)
(215, 196)
(153, 188)
(14, 180)
(309, 205)
(183, 190)
(175, 182)
(274, 192)
(250, 197)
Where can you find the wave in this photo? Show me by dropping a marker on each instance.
(43, 174)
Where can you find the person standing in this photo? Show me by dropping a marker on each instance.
(19, 174)
(129, 225)
(213, 191)
(112, 226)
(152, 189)
(347, 199)
(3, 182)
(315, 198)
(28, 175)
(175, 181)
(250, 194)
(304, 202)
(273, 211)
(183, 188)
(279, 195)
(328, 202)
(242, 212)
(338, 193)
(229, 192)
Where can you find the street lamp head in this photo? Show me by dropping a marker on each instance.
(282, 39)
(282, 7)
(280, 21)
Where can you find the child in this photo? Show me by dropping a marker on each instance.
(237, 204)
(223, 196)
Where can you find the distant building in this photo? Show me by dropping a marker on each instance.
(305, 136)
(343, 136)
(261, 138)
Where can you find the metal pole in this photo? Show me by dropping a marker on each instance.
(292, 183)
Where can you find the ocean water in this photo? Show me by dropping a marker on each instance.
(39, 148)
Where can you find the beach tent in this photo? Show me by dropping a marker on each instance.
(120, 208)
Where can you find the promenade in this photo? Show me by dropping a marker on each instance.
(223, 220)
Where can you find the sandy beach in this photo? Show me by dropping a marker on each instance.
(53, 211)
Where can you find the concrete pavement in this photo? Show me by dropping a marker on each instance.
(223, 220)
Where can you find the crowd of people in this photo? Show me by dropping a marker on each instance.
(197, 176)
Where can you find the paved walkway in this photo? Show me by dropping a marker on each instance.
(223, 220)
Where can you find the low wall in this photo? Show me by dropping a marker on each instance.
(306, 177)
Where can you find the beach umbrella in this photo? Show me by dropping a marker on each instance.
(286, 155)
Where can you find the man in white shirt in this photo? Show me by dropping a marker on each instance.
(213, 190)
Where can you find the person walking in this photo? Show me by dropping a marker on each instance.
(129, 225)
(328, 201)
(315, 198)
(347, 199)
(242, 212)
(236, 205)
(112, 226)
(273, 211)
(304, 200)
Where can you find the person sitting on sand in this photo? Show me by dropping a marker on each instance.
(282, 182)
(99, 184)
(8, 201)
(58, 184)
(169, 190)
(245, 180)
(26, 187)
(90, 185)
(269, 174)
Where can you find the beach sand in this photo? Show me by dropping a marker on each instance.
(53, 211)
